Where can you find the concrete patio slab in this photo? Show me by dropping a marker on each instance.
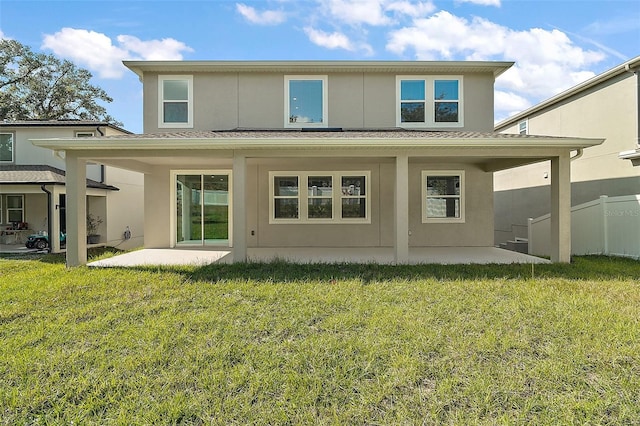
(149, 257)
(421, 255)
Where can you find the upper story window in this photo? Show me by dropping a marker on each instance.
(523, 127)
(6, 148)
(305, 98)
(429, 101)
(443, 196)
(176, 101)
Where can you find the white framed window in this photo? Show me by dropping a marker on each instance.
(523, 127)
(305, 101)
(7, 148)
(354, 196)
(175, 106)
(285, 190)
(85, 134)
(429, 101)
(443, 196)
(15, 208)
(319, 197)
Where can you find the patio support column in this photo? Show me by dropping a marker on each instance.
(401, 226)
(239, 234)
(54, 217)
(561, 208)
(76, 184)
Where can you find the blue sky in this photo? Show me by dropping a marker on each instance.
(555, 43)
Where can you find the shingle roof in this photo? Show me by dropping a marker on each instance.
(326, 133)
(314, 139)
(39, 174)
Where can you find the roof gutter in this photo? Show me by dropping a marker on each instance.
(578, 154)
(281, 143)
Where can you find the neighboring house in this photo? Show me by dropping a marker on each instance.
(606, 106)
(33, 192)
(360, 154)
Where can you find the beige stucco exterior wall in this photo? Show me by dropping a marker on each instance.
(224, 101)
(608, 110)
(36, 211)
(379, 101)
(157, 202)
(125, 208)
(475, 231)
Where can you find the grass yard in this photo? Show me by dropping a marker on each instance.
(320, 344)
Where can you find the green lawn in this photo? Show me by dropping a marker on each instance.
(320, 344)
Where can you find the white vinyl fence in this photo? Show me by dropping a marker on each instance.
(608, 225)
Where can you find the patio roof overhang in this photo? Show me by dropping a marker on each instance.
(491, 151)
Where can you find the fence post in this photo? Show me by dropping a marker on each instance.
(605, 233)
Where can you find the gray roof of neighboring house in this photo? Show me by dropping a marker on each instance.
(60, 123)
(40, 175)
(630, 66)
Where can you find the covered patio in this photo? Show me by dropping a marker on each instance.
(247, 156)
(422, 255)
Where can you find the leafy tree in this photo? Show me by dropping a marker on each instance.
(37, 86)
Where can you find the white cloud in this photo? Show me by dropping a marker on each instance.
(510, 101)
(336, 40)
(483, 2)
(374, 12)
(414, 10)
(547, 62)
(154, 50)
(444, 35)
(333, 40)
(267, 17)
(96, 51)
(2, 36)
(356, 12)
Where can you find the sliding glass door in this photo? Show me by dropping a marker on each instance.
(202, 209)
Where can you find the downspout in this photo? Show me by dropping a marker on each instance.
(579, 153)
(101, 165)
(44, 188)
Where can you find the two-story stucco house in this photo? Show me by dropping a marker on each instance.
(33, 191)
(606, 106)
(261, 156)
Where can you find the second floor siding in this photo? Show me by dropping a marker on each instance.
(351, 100)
